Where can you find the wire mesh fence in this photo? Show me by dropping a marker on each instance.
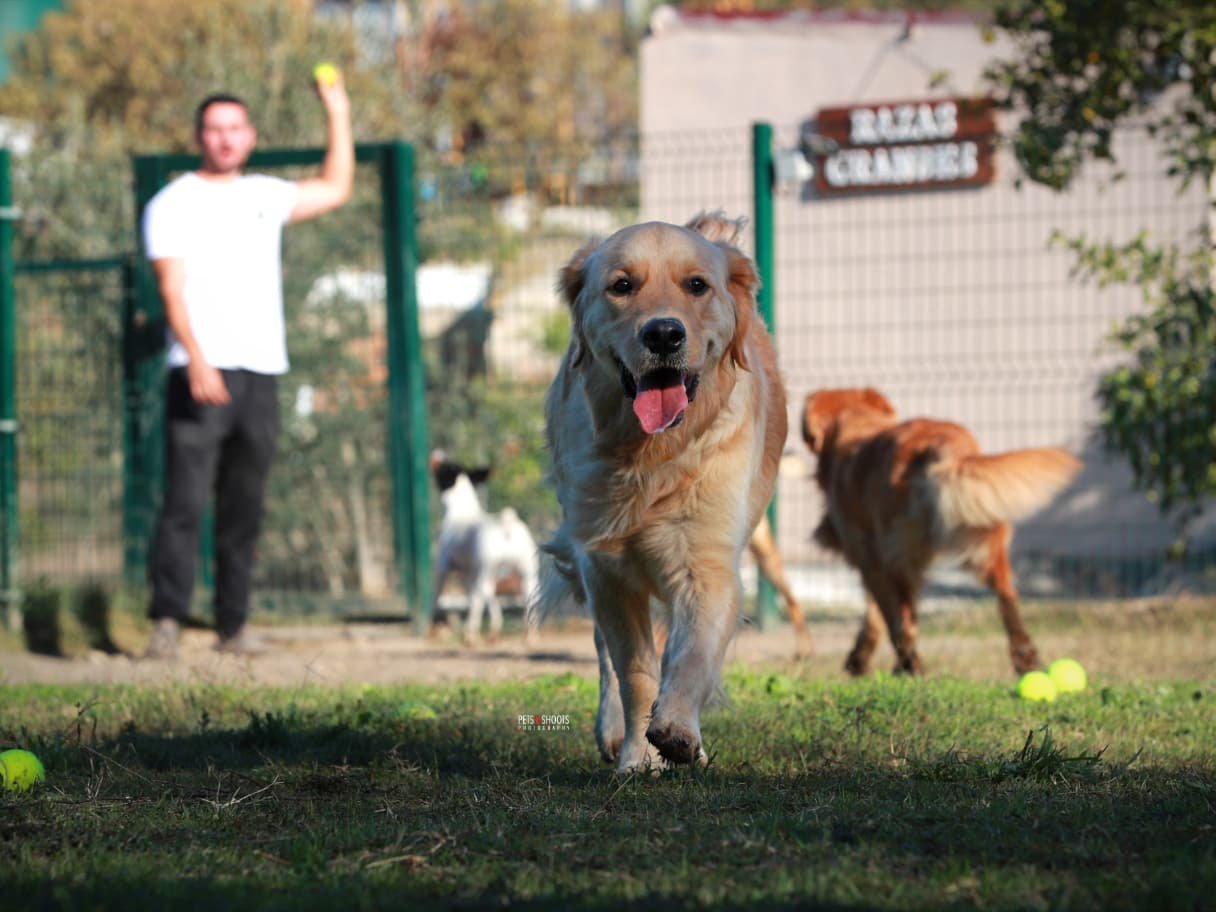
(70, 446)
(954, 303)
(964, 305)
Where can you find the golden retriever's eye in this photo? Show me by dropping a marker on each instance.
(697, 286)
(621, 287)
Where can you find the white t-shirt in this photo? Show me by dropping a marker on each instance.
(229, 236)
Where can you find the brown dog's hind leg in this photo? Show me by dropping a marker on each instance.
(996, 573)
(898, 606)
(868, 638)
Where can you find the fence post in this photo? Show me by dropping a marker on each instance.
(762, 211)
(9, 506)
(407, 431)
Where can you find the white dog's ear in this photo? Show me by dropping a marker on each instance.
(570, 283)
(718, 226)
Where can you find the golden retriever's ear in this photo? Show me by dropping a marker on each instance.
(876, 400)
(744, 282)
(717, 226)
(570, 283)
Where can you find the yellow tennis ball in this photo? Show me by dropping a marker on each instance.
(1036, 686)
(19, 770)
(1067, 675)
(325, 73)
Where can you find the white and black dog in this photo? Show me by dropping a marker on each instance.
(480, 549)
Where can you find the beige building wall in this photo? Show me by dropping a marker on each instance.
(953, 302)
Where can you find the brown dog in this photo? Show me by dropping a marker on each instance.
(900, 493)
(665, 426)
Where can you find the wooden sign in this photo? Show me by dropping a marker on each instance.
(944, 142)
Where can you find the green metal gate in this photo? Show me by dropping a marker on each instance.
(81, 366)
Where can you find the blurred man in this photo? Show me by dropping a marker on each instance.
(213, 238)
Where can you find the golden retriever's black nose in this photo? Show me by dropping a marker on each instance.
(663, 335)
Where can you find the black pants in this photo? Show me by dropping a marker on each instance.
(229, 447)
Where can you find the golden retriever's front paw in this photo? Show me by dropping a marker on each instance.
(676, 743)
(640, 759)
(610, 748)
(610, 729)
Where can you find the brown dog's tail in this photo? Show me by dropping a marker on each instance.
(981, 491)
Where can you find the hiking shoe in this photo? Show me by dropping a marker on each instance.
(162, 644)
(241, 643)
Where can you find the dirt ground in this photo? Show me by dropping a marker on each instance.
(382, 654)
(1148, 639)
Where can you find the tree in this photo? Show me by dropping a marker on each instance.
(1081, 70)
(105, 79)
(523, 75)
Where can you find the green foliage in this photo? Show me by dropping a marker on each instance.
(105, 79)
(500, 425)
(529, 77)
(1081, 70)
(1159, 408)
(555, 332)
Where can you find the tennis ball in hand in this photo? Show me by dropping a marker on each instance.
(19, 770)
(1036, 686)
(1067, 675)
(325, 73)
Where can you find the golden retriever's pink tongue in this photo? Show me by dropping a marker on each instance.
(658, 407)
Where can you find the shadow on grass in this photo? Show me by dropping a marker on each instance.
(471, 749)
(397, 892)
(512, 820)
(60, 622)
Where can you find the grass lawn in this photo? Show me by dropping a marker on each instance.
(884, 793)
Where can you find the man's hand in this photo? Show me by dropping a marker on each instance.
(333, 97)
(207, 385)
(332, 187)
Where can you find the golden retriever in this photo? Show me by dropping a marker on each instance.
(665, 425)
(900, 493)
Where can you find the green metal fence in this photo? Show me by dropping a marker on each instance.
(9, 523)
(947, 302)
(348, 525)
(347, 528)
(69, 449)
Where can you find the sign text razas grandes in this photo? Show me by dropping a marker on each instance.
(945, 142)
